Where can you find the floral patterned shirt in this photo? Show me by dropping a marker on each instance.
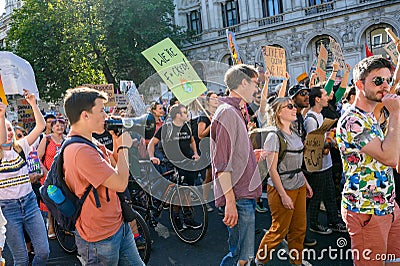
(369, 186)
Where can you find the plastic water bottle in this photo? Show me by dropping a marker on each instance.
(65, 206)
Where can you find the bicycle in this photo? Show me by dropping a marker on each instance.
(66, 239)
(185, 203)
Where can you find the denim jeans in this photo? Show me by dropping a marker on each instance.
(24, 213)
(242, 235)
(118, 249)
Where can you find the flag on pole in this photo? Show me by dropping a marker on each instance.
(233, 47)
(2, 93)
(368, 52)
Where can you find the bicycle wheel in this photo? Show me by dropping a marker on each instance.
(65, 238)
(188, 214)
(143, 244)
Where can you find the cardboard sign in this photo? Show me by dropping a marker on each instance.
(314, 145)
(25, 114)
(17, 75)
(136, 101)
(337, 53)
(233, 47)
(390, 48)
(322, 62)
(176, 71)
(275, 60)
(107, 88)
(122, 101)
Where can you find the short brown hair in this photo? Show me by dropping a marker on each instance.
(81, 99)
(365, 66)
(236, 74)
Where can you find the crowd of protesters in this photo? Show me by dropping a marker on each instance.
(355, 183)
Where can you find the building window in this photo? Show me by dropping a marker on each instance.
(194, 22)
(230, 13)
(271, 8)
(377, 40)
(318, 2)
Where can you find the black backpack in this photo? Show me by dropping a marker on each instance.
(55, 177)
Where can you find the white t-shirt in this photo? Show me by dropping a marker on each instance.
(310, 124)
(14, 178)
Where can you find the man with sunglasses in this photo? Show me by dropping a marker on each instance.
(300, 96)
(368, 207)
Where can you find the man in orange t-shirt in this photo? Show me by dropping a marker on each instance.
(102, 237)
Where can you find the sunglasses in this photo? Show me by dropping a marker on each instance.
(378, 81)
(289, 106)
(303, 93)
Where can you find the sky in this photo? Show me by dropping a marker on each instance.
(2, 4)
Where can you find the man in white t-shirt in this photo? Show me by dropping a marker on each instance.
(321, 181)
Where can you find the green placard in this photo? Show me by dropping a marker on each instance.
(176, 71)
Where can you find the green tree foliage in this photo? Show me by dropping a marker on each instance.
(70, 43)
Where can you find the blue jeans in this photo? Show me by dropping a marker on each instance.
(118, 249)
(24, 213)
(242, 235)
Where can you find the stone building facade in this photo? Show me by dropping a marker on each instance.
(298, 26)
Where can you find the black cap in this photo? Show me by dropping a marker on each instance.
(49, 115)
(295, 89)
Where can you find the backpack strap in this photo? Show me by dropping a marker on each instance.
(313, 117)
(60, 164)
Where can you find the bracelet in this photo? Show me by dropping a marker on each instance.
(122, 147)
(334, 71)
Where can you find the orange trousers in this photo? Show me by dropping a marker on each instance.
(285, 222)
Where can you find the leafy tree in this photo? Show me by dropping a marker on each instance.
(70, 43)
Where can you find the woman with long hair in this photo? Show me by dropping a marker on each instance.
(203, 130)
(47, 150)
(287, 186)
(17, 199)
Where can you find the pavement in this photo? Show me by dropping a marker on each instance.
(167, 249)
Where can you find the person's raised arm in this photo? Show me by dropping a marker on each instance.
(343, 85)
(39, 120)
(387, 151)
(313, 79)
(118, 181)
(282, 91)
(396, 74)
(3, 131)
(264, 92)
(332, 77)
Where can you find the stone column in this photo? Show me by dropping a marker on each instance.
(252, 9)
(213, 14)
(287, 6)
(242, 10)
(204, 15)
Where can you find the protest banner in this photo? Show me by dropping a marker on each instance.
(233, 47)
(337, 53)
(314, 146)
(107, 88)
(17, 75)
(136, 101)
(390, 48)
(275, 60)
(176, 71)
(25, 114)
(3, 97)
(122, 100)
(322, 62)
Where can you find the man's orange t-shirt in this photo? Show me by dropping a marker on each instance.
(83, 165)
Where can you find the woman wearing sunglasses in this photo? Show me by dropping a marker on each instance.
(287, 186)
(17, 199)
(47, 149)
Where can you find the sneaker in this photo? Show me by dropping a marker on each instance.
(309, 242)
(320, 229)
(209, 208)
(193, 224)
(255, 262)
(140, 242)
(260, 208)
(221, 211)
(178, 223)
(338, 227)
